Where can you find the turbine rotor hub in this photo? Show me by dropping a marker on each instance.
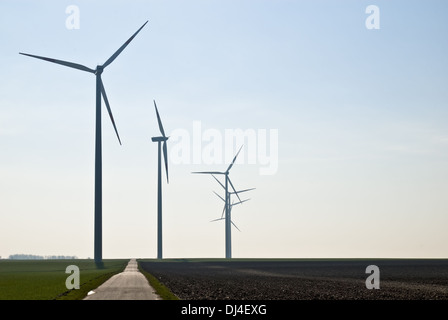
(99, 69)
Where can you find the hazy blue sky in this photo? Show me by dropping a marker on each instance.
(360, 116)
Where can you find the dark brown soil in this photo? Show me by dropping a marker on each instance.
(410, 279)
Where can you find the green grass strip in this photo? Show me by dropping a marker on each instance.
(90, 284)
(45, 279)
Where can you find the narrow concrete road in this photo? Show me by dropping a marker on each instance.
(131, 284)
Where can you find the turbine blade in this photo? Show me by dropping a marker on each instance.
(216, 219)
(223, 211)
(159, 121)
(219, 196)
(231, 184)
(103, 92)
(112, 58)
(239, 202)
(243, 190)
(219, 182)
(235, 226)
(165, 157)
(209, 172)
(64, 63)
(234, 158)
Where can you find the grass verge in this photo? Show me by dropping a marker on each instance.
(93, 282)
(45, 279)
(160, 289)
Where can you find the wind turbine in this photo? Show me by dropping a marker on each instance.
(227, 202)
(230, 193)
(159, 141)
(100, 91)
(230, 209)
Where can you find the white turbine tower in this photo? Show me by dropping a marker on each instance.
(100, 91)
(227, 207)
(159, 140)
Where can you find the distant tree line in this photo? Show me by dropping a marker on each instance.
(36, 257)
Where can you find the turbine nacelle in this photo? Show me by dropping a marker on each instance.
(159, 139)
(99, 70)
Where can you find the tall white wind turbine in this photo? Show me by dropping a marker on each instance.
(227, 202)
(100, 91)
(159, 141)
